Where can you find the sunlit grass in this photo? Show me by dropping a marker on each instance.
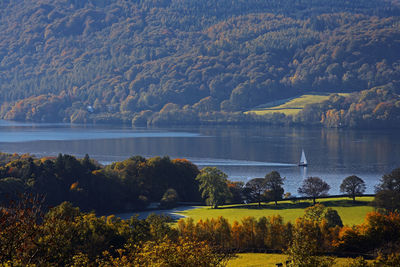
(256, 259)
(293, 106)
(287, 112)
(263, 259)
(350, 213)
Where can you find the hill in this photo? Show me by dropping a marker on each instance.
(117, 60)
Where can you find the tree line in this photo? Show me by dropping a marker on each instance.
(319, 231)
(378, 107)
(217, 190)
(66, 236)
(135, 182)
(126, 185)
(375, 108)
(32, 233)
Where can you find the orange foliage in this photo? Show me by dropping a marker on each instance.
(44, 159)
(180, 161)
(74, 186)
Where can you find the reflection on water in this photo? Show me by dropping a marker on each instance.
(11, 133)
(303, 172)
(242, 152)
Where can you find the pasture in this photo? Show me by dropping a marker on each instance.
(292, 106)
(350, 213)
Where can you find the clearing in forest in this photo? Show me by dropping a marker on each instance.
(291, 106)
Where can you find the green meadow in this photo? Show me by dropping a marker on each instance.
(350, 213)
(293, 106)
(265, 260)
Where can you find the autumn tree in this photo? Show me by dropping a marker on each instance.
(319, 212)
(313, 187)
(353, 186)
(213, 186)
(314, 213)
(379, 232)
(236, 190)
(184, 252)
(305, 246)
(18, 229)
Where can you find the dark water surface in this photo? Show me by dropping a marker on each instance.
(242, 152)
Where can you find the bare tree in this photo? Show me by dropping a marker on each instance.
(314, 187)
(256, 188)
(353, 186)
(273, 184)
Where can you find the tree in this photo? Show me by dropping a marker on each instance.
(255, 188)
(319, 212)
(213, 186)
(236, 191)
(314, 187)
(19, 231)
(165, 252)
(273, 184)
(332, 218)
(353, 186)
(169, 199)
(388, 191)
(305, 245)
(314, 213)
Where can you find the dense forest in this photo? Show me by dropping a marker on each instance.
(180, 61)
(378, 107)
(127, 185)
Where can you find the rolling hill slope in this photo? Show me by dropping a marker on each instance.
(116, 60)
(293, 105)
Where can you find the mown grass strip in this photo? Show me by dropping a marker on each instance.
(264, 259)
(350, 213)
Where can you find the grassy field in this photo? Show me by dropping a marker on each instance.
(256, 259)
(261, 259)
(350, 213)
(293, 106)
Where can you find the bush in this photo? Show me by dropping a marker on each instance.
(169, 199)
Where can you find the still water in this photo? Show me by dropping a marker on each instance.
(241, 152)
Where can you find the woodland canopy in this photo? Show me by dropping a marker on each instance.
(172, 61)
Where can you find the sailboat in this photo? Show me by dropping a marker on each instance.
(303, 160)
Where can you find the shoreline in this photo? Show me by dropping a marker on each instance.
(173, 213)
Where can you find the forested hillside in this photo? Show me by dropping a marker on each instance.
(136, 61)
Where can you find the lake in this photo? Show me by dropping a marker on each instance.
(243, 152)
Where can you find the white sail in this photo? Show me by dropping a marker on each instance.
(303, 160)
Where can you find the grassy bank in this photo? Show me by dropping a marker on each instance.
(350, 213)
(265, 260)
(292, 106)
